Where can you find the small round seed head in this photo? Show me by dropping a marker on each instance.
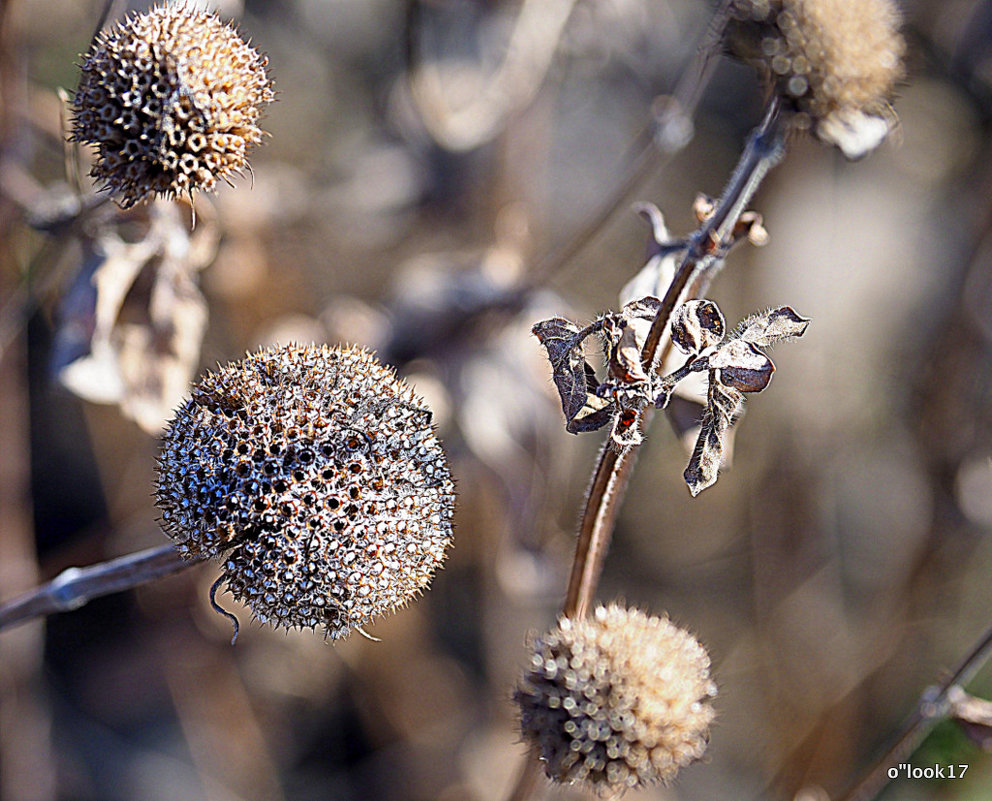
(836, 62)
(314, 474)
(617, 701)
(171, 99)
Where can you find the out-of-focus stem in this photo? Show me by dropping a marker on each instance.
(933, 707)
(77, 586)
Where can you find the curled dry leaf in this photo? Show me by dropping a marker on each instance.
(625, 335)
(573, 376)
(774, 325)
(131, 324)
(655, 276)
(742, 366)
(696, 325)
(723, 408)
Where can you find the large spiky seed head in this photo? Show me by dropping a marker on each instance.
(315, 475)
(171, 99)
(618, 700)
(834, 61)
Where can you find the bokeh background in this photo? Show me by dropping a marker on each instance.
(839, 568)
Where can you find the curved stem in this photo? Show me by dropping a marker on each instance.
(932, 708)
(77, 586)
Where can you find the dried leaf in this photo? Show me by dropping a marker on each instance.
(568, 366)
(742, 366)
(573, 376)
(774, 325)
(704, 465)
(655, 276)
(595, 413)
(696, 325)
(131, 325)
(623, 356)
(625, 431)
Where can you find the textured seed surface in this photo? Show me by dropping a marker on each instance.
(171, 100)
(824, 55)
(315, 475)
(617, 701)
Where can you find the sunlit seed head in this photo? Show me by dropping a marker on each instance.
(314, 475)
(616, 701)
(171, 100)
(835, 62)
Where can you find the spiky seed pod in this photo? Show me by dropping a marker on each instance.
(836, 62)
(617, 701)
(315, 474)
(171, 99)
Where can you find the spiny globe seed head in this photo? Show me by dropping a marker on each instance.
(171, 99)
(315, 475)
(618, 700)
(835, 61)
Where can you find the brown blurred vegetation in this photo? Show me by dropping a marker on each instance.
(834, 572)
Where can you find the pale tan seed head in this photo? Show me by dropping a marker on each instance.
(835, 62)
(314, 474)
(617, 700)
(171, 99)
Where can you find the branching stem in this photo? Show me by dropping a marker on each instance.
(77, 586)
(932, 708)
(705, 251)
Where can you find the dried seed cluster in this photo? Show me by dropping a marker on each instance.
(171, 99)
(315, 473)
(835, 61)
(618, 700)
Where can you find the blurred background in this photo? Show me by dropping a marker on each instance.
(420, 176)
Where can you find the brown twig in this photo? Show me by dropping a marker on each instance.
(77, 586)
(932, 708)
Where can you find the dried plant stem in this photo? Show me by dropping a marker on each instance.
(75, 586)
(932, 708)
(705, 252)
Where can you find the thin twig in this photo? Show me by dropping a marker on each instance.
(932, 708)
(512, 86)
(77, 586)
(651, 151)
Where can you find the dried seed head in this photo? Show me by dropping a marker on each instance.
(314, 473)
(171, 99)
(834, 61)
(618, 700)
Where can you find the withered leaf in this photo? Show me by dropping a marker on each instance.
(131, 325)
(595, 413)
(704, 465)
(697, 324)
(573, 376)
(623, 354)
(724, 402)
(655, 276)
(774, 325)
(625, 430)
(568, 366)
(742, 366)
